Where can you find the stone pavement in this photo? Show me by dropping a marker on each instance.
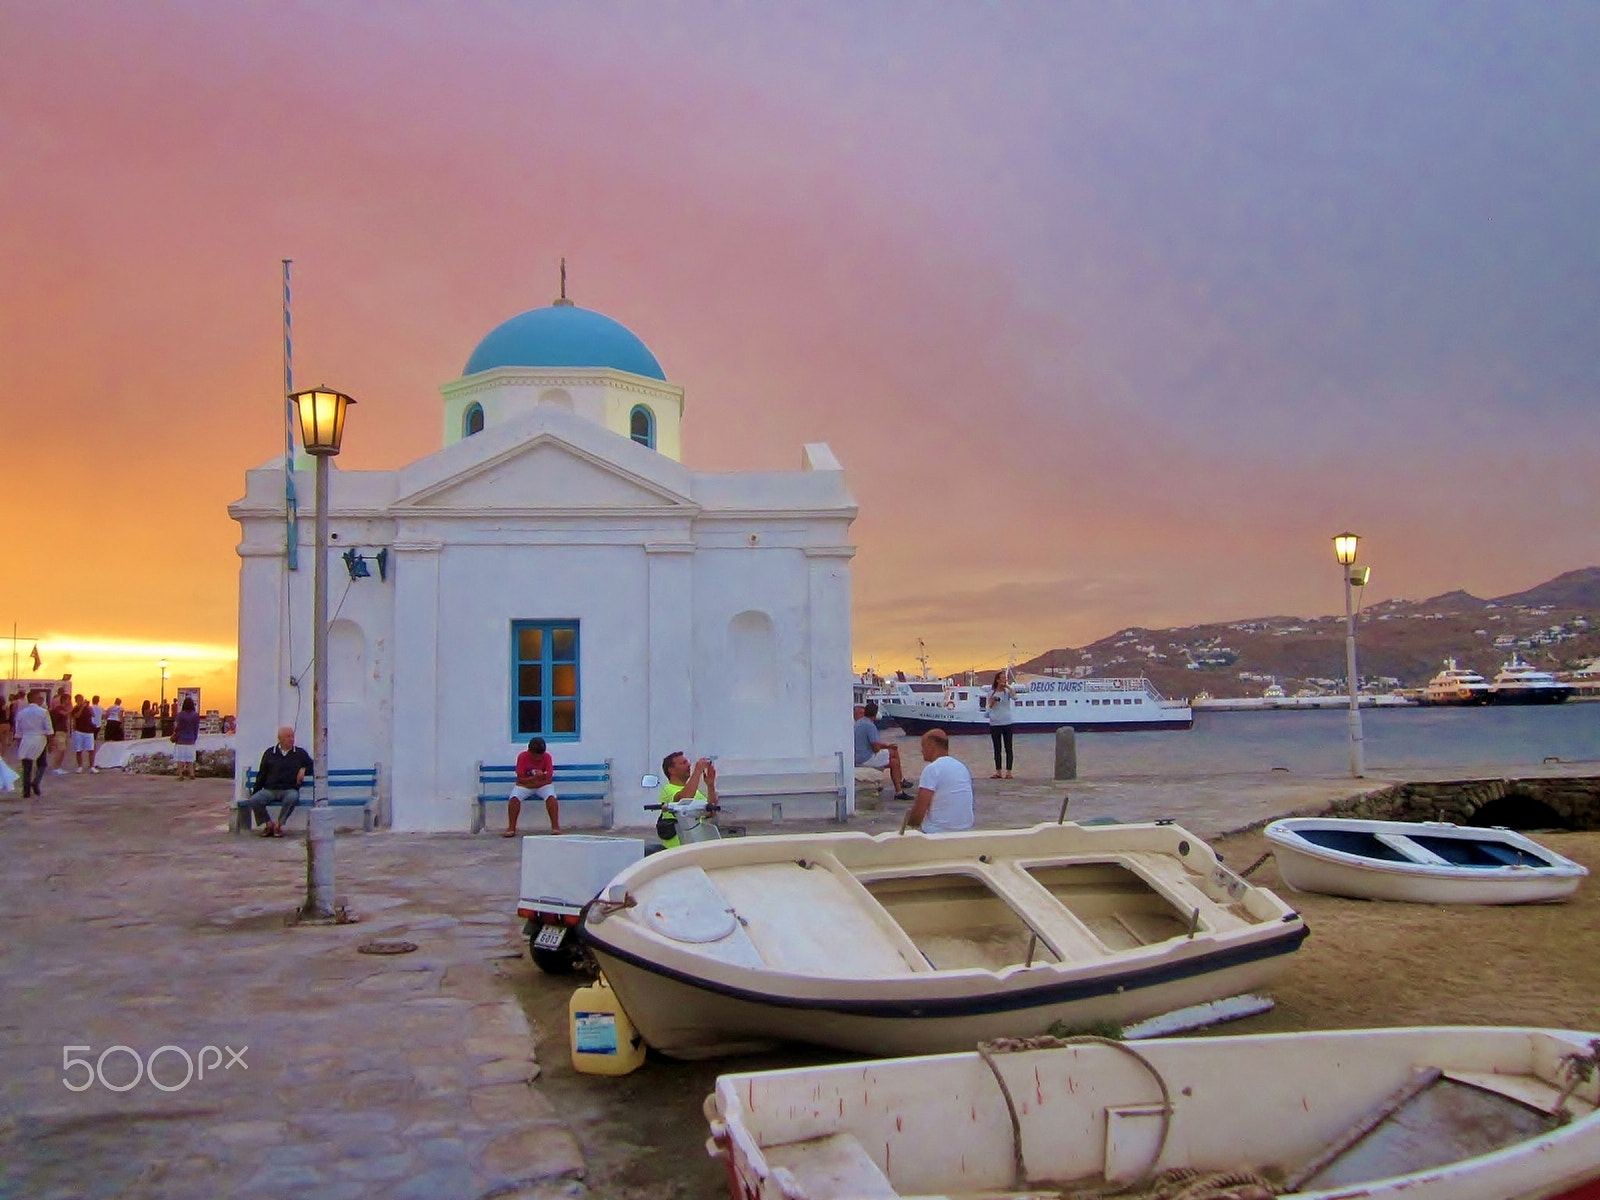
(129, 917)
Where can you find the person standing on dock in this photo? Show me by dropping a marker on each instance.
(1000, 718)
(944, 790)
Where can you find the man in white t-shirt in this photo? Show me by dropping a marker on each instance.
(944, 790)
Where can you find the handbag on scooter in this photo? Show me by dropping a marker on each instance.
(666, 827)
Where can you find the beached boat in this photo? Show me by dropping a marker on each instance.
(910, 944)
(1427, 863)
(1519, 682)
(1455, 686)
(1382, 1114)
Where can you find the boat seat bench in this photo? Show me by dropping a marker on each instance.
(348, 787)
(583, 784)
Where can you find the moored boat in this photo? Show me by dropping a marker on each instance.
(1455, 686)
(1426, 863)
(1438, 1113)
(1040, 706)
(914, 943)
(1519, 682)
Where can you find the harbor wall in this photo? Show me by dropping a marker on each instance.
(1564, 803)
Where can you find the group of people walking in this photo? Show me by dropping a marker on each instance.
(47, 737)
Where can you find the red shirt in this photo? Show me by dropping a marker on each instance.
(529, 763)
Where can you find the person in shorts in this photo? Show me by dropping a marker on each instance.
(83, 731)
(60, 730)
(536, 775)
(185, 733)
(881, 756)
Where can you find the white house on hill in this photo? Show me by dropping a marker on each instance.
(552, 570)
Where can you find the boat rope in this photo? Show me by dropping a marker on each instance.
(1188, 1183)
(1248, 871)
(987, 1051)
(1579, 1069)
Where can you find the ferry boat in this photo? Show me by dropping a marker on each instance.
(1519, 682)
(1455, 685)
(1041, 706)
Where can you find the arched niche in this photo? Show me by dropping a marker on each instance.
(556, 398)
(752, 657)
(347, 663)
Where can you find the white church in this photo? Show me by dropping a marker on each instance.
(553, 570)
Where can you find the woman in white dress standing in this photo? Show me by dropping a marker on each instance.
(1000, 698)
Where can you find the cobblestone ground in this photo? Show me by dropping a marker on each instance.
(128, 917)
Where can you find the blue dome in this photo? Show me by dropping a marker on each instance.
(564, 335)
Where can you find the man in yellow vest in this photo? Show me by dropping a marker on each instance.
(699, 781)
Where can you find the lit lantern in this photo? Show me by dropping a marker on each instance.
(321, 419)
(1344, 548)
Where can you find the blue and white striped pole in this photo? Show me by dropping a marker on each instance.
(291, 502)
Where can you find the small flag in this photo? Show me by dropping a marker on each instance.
(37, 661)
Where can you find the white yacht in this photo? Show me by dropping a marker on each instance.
(1519, 682)
(1455, 685)
(1041, 706)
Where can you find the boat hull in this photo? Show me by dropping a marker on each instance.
(921, 725)
(1308, 867)
(685, 1016)
(1549, 695)
(916, 943)
(1435, 1113)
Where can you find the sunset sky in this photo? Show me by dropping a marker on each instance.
(1114, 314)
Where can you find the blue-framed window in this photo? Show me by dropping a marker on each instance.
(472, 420)
(544, 680)
(642, 426)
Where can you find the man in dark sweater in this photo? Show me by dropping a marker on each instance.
(283, 769)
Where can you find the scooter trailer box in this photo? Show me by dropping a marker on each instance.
(565, 872)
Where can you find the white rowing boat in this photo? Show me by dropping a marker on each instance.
(909, 944)
(1382, 1114)
(1426, 863)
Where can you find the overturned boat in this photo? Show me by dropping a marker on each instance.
(1429, 862)
(899, 944)
(1421, 1114)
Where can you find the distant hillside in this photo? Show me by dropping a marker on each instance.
(1399, 643)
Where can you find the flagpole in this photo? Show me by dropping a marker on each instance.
(291, 502)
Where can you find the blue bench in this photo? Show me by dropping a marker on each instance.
(348, 787)
(575, 783)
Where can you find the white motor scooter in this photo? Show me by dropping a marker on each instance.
(682, 822)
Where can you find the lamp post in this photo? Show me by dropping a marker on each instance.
(322, 414)
(1344, 549)
(163, 666)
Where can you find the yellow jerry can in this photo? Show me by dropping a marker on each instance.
(604, 1041)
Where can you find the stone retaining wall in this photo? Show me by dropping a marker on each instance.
(1574, 803)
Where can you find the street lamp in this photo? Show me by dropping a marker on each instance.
(163, 666)
(322, 413)
(1344, 549)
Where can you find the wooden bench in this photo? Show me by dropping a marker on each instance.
(773, 781)
(575, 783)
(348, 787)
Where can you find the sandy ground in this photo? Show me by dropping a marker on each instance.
(1365, 964)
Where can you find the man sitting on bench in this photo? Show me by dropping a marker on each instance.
(536, 774)
(283, 769)
(880, 756)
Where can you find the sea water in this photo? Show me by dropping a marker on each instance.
(1316, 742)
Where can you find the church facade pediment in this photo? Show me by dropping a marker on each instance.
(548, 460)
(543, 475)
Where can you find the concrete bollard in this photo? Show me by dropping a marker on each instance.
(1066, 753)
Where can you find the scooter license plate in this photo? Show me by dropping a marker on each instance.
(549, 937)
